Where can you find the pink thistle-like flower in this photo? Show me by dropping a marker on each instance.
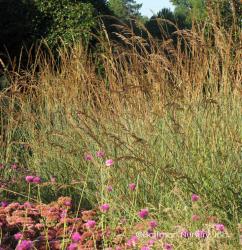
(153, 224)
(100, 154)
(143, 213)
(109, 162)
(73, 246)
(201, 234)
(151, 242)
(29, 178)
(67, 203)
(195, 217)
(219, 227)
(110, 188)
(90, 224)
(132, 186)
(25, 245)
(132, 242)
(18, 236)
(145, 248)
(168, 246)
(186, 234)
(88, 157)
(195, 197)
(37, 180)
(4, 203)
(14, 166)
(1, 166)
(76, 237)
(104, 208)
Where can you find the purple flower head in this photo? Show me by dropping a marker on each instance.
(151, 242)
(219, 227)
(29, 178)
(145, 248)
(153, 224)
(195, 197)
(110, 188)
(76, 237)
(18, 236)
(118, 248)
(88, 157)
(109, 162)
(37, 180)
(132, 242)
(4, 203)
(143, 213)
(90, 224)
(1, 166)
(73, 246)
(14, 166)
(104, 208)
(100, 154)
(134, 238)
(67, 203)
(25, 245)
(132, 186)
(168, 246)
(201, 234)
(186, 234)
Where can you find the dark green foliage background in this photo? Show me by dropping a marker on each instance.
(24, 22)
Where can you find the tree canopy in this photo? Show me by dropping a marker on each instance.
(125, 8)
(23, 22)
(191, 9)
(230, 10)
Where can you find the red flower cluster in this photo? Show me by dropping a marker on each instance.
(25, 226)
